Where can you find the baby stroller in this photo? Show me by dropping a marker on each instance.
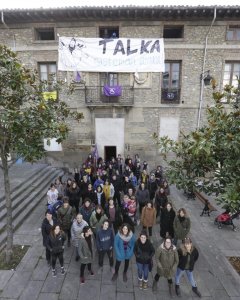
(226, 218)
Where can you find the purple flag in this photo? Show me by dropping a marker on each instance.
(112, 91)
(78, 77)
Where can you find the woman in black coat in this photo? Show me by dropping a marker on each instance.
(73, 194)
(55, 244)
(100, 198)
(47, 224)
(188, 255)
(114, 215)
(166, 221)
(144, 252)
(160, 200)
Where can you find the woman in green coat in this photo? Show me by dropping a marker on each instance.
(97, 219)
(167, 261)
(86, 251)
(181, 225)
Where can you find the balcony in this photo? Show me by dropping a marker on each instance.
(95, 97)
(170, 96)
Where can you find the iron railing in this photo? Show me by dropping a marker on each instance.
(94, 96)
(170, 95)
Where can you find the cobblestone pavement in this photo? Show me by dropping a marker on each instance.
(215, 277)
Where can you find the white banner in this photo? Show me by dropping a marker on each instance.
(111, 55)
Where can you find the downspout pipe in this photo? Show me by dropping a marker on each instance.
(5, 25)
(203, 70)
(2, 20)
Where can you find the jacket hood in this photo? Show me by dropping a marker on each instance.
(162, 247)
(126, 238)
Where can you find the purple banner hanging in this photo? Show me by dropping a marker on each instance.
(112, 91)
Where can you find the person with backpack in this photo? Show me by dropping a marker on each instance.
(65, 216)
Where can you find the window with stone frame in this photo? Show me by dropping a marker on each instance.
(110, 79)
(173, 31)
(44, 34)
(48, 76)
(233, 33)
(231, 75)
(171, 82)
(109, 32)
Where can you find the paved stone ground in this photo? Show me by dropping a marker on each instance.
(216, 279)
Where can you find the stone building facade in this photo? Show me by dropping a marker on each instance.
(196, 39)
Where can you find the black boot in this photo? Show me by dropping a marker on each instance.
(196, 291)
(154, 287)
(170, 289)
(177, 289)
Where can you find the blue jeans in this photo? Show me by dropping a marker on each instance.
(143, 270)
(190, 277)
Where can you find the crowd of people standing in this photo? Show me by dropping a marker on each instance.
(97, 209)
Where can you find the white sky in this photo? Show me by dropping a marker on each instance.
(61, 3)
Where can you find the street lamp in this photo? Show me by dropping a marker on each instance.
(206, 77)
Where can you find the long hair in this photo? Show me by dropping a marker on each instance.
(52, 232)
(183, 210)
(128, 227)
(183, 247)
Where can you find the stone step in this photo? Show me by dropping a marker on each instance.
(22, 211)
(28, 171)
(26, 189)
(22, 187)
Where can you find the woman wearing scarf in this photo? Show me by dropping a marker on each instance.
(123, 245)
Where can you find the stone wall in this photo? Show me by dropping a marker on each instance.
(144, 117)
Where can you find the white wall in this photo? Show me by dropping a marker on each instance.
(54, 146)
(169, 126)
(109, 132)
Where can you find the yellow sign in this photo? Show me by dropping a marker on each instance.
(50, 95)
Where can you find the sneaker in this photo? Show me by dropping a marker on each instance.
(82, 280)
(62, 270)
(54, 273)
(124, 276)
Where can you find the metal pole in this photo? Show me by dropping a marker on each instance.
(203, 71)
